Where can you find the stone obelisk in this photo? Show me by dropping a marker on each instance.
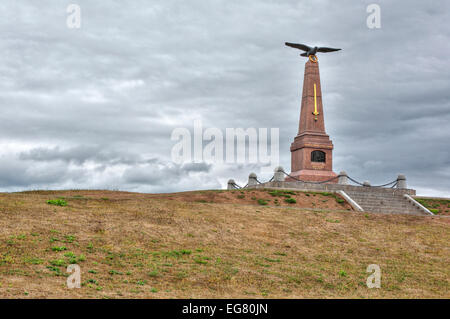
(311, 151)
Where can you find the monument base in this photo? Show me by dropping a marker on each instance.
(312, 175)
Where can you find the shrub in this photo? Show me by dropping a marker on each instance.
(57, 202)
(262, 202)
(290, 200)
(434, 210)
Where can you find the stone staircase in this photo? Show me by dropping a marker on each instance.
(361, 198)
(384, 202)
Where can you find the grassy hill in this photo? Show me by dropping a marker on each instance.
(438, 206)
(215, 244)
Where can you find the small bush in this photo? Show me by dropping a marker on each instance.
(262, 202)
(290, 200)
(57, 202)
(434, 210)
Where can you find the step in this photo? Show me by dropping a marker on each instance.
(384, 203)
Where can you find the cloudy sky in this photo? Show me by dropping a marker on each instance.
(95, 107)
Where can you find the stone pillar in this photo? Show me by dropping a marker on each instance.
(279, 175)
(252, 180)
(312, 149)
(366, 183)
(401, 181)
(343, 178)
(230, 184)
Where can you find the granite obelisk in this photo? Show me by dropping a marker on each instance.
(311, 151)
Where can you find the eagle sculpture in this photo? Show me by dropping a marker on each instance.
(309, 51)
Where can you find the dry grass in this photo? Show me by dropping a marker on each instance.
(176, 246)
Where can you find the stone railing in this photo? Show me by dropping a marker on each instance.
(397, 186)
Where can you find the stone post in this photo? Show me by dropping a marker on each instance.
(401, 181)
(343, 178)
(279, 175)
(252, 180)
(366, 183)
(230, 184)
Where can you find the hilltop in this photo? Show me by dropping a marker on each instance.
(215, 244)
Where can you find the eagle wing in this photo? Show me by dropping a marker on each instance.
(325, 49)
(298, 46)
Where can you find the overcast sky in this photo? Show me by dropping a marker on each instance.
(95, 107)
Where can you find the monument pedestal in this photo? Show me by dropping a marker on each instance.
(311, 151)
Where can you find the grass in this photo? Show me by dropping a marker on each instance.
(438, 206)
(137, 246)
(290, 200)
(57, 202)
(262, 201)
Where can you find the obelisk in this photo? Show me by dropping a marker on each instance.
(311, 151)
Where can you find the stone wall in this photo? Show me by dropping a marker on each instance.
(335, 187)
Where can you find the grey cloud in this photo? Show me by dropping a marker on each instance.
(111, 93)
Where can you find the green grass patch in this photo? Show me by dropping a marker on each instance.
(33, 261)
(57, 202)
(57, 262)
(281, 193)
(290, 200)
(262, 201)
